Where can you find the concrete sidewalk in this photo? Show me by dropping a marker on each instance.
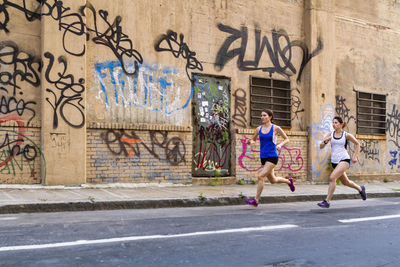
(24, 198)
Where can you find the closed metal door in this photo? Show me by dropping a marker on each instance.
(211, 126)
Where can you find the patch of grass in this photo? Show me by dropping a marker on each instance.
(201, 197)
(396, 190)
(241, 182)
(91, 199)
(241, 195)
(253, 181)
(217, 181)
(386, 180)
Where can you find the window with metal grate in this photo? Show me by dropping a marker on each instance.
(270, 94)
(371, 113)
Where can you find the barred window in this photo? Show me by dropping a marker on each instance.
(270, 94)
(371, 113)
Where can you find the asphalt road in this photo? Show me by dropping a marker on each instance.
(350, 233)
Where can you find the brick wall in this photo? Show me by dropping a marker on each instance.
(20, 155)
(292, 158)
(139, 156)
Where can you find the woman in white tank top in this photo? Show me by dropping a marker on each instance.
(340, 160)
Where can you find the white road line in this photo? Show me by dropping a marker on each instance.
(7, 218)
(369, 218)
(135, 238)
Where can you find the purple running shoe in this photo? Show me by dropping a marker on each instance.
(363, 193)
(324, 204)
(252, 202)
(291, 185)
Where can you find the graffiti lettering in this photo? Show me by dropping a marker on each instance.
(152, 87)
(70, 95)
(392, 163)
(178, 48)
(296, 107)
(342, 110)
(277, 54)
(318, 131)
(289, 158)
(120, 142)
(214, 147)
(25, 67)
(111, 36)
(17, 150)
(11, 104)
(240, 108)
(393, 126)
(29, 15)
(370, 150)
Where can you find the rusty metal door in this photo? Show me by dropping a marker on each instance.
(211, 126)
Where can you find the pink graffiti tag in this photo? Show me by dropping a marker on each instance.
(289, 158)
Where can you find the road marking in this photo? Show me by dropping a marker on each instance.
(7, 218)
(135, 238)
(369, 218)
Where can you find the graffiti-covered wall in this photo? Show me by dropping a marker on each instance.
(160, 91)
(20, 71)
(367, 61)
(126, 156)
(292, 157)
(186, 64)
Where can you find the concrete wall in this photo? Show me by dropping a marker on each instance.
(367, 60)
(112, 99)
(20, 108)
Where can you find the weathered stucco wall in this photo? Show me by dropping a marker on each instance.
(104, 92)
(367, 60)
(160, 90)
(20, 156)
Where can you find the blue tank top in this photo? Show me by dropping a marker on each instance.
(267, 144)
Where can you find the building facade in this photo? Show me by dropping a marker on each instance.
(168, 91)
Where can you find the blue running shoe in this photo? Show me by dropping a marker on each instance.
(324, 204)
(363, 193)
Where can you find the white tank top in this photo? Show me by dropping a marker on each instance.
(338, 148)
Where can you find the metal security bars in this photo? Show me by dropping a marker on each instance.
(371, 113)
(270, 94)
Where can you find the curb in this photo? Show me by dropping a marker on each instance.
(170, 203)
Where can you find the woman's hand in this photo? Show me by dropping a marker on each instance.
(354, 159)
(249, 141)
(278, 147)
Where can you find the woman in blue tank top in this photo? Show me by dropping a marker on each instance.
(268, 154)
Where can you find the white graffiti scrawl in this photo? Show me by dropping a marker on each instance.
(318, 131)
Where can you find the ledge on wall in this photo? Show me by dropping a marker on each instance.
(379, 177)
(228, 180)
(251, 131)
(144, 127)
(371, 137)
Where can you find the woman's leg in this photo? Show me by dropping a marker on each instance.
(337, 172)
(347, 182)
(276, 180)
(268, 167)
